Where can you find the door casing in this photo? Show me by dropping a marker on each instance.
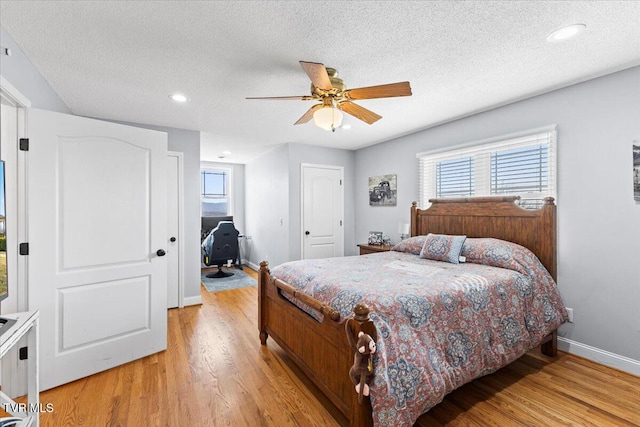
(13, 370)
(179, 199)
(303, 166)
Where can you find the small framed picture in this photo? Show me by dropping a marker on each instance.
(375, 237)
(383, 190)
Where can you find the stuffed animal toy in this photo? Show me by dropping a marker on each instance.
(362, 370)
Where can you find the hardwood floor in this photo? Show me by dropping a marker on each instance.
(215, 373)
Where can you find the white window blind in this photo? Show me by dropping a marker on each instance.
(522, 164)
(454, 178)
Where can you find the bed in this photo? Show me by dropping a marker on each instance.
(431, 339)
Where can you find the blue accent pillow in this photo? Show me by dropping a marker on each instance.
(442, 247)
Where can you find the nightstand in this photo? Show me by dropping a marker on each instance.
(369, 249)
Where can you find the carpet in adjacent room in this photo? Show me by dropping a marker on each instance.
(240, 279)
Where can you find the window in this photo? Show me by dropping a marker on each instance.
(520, 164)
(454, 178)
(214, 191)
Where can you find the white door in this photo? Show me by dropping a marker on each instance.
(322, 211)
(174, 235)
(97, 201)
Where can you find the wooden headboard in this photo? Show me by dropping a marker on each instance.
(497, 217)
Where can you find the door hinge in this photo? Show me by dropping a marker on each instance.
(340, 223)
(23, 353)
(24, 144)
(340, 182)
(24, 249)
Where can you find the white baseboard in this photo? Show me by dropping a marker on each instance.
(600, 356)
(196, 300)
(252, 265)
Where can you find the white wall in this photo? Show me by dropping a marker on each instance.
(385, 159)
(267, 208)
(598, 220)
(19, 71)
(273, 201)
(188, 142)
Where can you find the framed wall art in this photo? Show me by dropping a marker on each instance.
(383, 190)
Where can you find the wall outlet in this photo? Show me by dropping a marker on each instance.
(570, 313)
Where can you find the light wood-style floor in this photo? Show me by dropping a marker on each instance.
(216, 373)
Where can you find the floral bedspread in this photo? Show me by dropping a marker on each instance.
(440, 325)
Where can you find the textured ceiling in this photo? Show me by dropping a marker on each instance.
(121, 59)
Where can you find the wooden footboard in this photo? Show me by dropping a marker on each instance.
(320, 349)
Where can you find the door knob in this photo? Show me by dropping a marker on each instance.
(173, 239)
(161, 252)
(307, 233)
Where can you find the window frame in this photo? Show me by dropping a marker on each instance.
(206, 166)
(481, 151)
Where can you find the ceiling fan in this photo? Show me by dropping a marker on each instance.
(336, 98)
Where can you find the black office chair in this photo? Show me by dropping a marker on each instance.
(221, 246)
(208, 223)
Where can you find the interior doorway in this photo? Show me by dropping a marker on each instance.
(13, 112)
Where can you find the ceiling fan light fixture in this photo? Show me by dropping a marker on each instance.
(336, 98)
(328, 118)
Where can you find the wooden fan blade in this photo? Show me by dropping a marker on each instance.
(359, 112)
(308, 115)
(283, 98)
(318, 74)
(382, 91)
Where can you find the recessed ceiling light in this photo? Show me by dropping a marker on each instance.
(226, 152)
(346, 127)
(565, 33)
(178, 97)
